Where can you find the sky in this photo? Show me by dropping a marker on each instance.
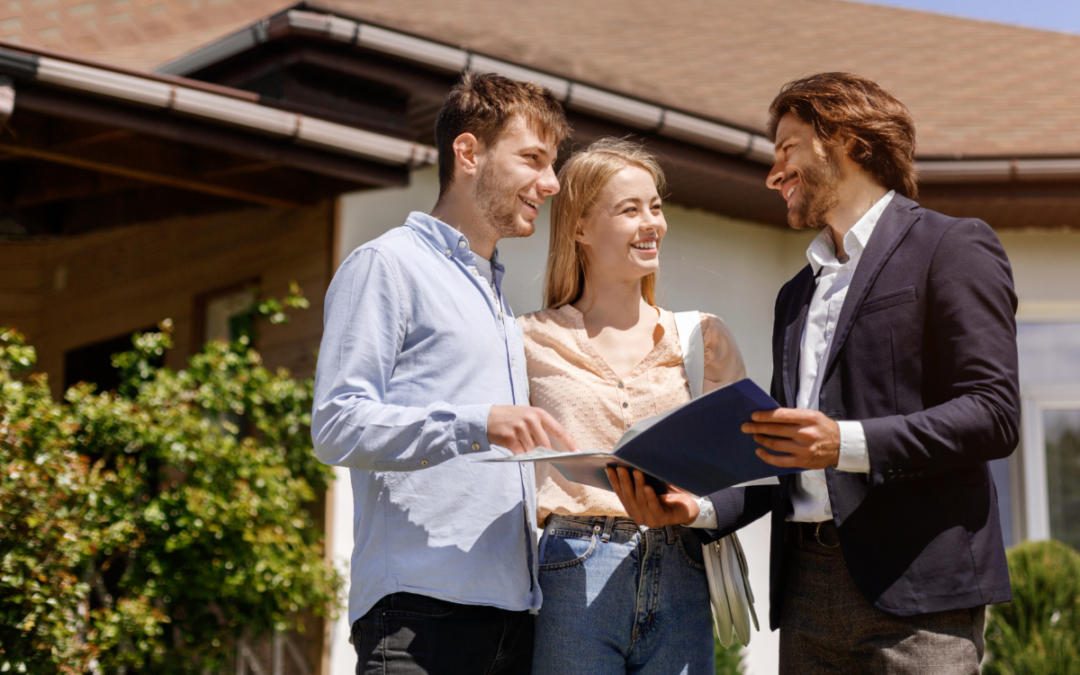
(1056, 15)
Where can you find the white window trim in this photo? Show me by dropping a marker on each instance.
(1035, 400)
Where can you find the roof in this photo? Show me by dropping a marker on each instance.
(977, 89)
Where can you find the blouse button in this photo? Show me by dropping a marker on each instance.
(625, 404)
(620, 385)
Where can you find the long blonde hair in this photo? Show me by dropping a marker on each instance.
(582, 180)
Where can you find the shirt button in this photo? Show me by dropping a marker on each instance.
(625, 404)
(448, 253)
(500, 315)
(423, 462)
(620, 385)
(475, 273)
(461, 244)
(475, 447)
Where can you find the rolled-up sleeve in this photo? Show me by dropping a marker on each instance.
(363, 332)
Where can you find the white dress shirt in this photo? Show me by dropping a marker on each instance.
(810, 497)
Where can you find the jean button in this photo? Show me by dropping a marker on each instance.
(596, 528)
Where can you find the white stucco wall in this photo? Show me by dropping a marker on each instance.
(1046, 269)
(729, 268)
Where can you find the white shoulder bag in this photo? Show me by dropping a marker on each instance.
(725, 563)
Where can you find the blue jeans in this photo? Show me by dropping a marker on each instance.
(618, 600)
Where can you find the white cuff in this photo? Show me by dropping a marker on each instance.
(853, 455)
(706, 517)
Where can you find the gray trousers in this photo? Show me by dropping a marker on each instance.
(827, 626)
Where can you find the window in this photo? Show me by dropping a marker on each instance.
(1049, 460)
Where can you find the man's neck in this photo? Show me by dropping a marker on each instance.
(857, 196)
(460, 213)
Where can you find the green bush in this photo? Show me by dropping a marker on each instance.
(145, 530)
(1038, 633)
(728, 661)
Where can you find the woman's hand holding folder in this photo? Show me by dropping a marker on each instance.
(645, 506)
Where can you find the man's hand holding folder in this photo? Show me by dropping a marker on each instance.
(807, 439)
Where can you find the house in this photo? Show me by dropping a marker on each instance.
(164, 154)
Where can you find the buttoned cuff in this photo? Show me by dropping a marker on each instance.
(706, 514)
(853, 455)
(471, 428)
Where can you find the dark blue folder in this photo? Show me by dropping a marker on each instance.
(698, 446)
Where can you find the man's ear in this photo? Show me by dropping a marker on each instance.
(466, 151)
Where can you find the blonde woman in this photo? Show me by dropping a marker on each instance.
(602, 356)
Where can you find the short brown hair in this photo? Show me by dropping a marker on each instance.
(482, 105)
(845, 106)
(582, 180)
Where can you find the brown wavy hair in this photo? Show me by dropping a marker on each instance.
(582, 180)
(846, 107)
(483, 105)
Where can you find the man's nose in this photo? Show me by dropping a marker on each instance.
(549, 182)
(775, 177)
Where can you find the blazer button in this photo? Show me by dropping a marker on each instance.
(423, 462)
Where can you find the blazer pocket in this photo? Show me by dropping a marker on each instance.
(887, 300)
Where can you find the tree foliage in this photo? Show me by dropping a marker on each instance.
(146, 529)
(1039, 631)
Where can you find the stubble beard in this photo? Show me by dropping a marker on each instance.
(493, 201)
(818, 183)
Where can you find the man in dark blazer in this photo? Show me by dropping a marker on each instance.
(895, 366)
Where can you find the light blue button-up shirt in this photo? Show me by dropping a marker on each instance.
(416, 349)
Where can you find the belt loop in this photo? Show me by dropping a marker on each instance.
(670, 534)
(609, 524)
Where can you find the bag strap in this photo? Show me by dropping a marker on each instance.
(688, 325)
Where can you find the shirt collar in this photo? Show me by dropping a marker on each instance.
(446, 239)
(822, 251)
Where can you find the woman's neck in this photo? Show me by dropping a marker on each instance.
(615, 304)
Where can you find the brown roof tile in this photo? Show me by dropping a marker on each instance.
(976, 88)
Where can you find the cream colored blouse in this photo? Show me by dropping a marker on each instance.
(569, 379)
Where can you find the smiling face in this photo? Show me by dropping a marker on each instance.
(515, 177)
(622, 232)
(807, 173)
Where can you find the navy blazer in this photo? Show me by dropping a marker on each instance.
(924, 356)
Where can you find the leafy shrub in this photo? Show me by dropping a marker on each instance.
(728, 661)
(147, 530)
(1038, 633)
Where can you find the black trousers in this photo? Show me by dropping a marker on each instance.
(409, 634)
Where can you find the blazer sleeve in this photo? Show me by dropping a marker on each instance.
(735, 509)
(971, 315)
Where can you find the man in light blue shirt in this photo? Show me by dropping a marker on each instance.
(421, 377)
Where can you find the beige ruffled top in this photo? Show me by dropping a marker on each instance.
(569, 379)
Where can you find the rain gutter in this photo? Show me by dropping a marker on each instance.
(214, 104)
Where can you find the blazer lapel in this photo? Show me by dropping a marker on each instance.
(798, 311)
(895, 222)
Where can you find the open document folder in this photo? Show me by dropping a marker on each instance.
(698, 446)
